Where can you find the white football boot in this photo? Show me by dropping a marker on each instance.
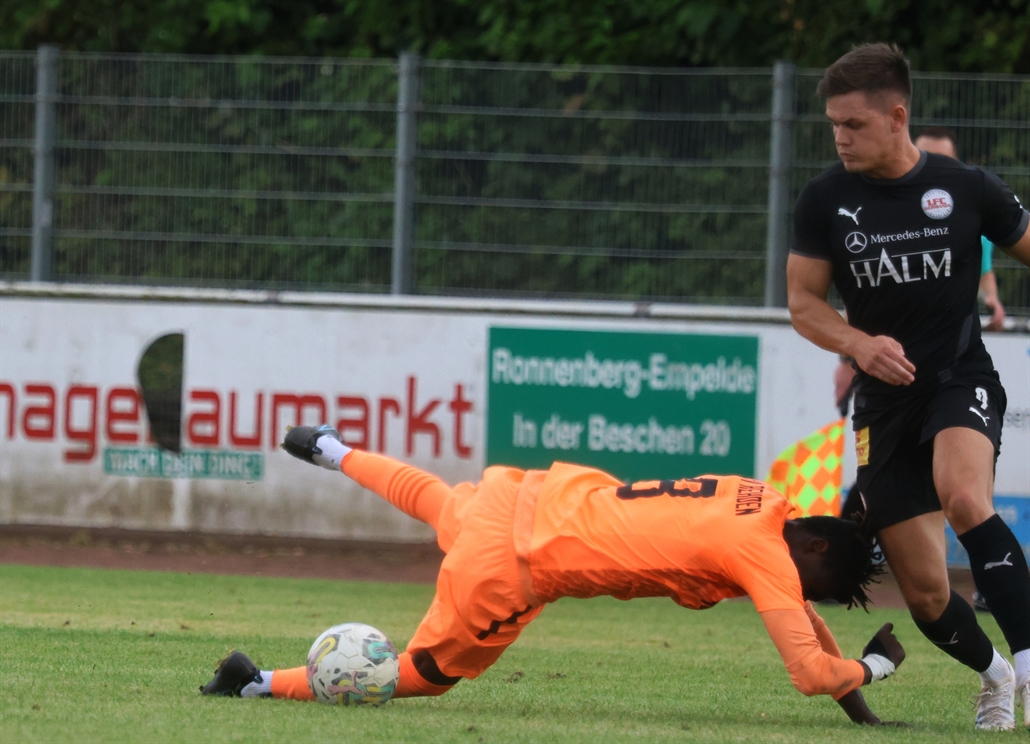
(996, 705)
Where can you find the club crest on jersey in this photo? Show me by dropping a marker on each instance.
(937, 204)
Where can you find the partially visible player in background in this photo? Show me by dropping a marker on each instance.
(520, 539)
(989, 288)
(941, 140)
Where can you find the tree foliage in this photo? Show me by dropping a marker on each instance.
(938, 35)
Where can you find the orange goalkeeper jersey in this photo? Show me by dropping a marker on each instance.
(697, 540)
(580, 532)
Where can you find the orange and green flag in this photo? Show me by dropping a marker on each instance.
(810, 472)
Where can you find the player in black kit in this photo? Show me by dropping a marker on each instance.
(897, 231)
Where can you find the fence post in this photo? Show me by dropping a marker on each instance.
(780, 156)
(43, 165)
(404, 175)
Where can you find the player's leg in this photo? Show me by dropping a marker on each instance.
(480, 607)
(965, 424)
(479, 586)
(237, 676)
(478, 611)
(895, 483)
(419, 676)
(964, 476)
(915, 550)
(417, 493)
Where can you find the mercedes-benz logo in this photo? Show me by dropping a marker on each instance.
(856, 242)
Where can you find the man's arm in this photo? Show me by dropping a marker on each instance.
(808, 285)
(815, 670)
(989, 295)
(852, 703)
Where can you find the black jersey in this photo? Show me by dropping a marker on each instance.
(906, 255)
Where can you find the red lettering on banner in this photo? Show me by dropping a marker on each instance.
(122, 407)
(299, 403)
(88, 435)
(93, 416)
(418, 422)
(30, 418)
(345, 424)
(459, 407)
(8, 390)
(259, 410)
(386, 404)
(204, 427)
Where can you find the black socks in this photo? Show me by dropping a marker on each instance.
(957, 634)
(1000, 572)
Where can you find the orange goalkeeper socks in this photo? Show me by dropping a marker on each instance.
(415, 492)
(291, 684)
(413, 684)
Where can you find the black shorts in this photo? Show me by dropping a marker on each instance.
(895, 446)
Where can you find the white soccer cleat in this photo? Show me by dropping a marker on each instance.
(996, 705)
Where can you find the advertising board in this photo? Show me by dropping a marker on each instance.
(448, 386)
(639, 405)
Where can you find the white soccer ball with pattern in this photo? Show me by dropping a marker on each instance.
(353, 664)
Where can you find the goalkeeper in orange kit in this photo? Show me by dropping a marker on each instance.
(519, 539)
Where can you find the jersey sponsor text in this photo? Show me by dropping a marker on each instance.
(911, 267)
(749, 498)
(926, 232)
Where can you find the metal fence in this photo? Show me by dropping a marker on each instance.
(435, 177)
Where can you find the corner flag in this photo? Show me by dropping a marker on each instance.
(809, 473)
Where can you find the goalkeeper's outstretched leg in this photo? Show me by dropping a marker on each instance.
(415, 492)
(479, 585)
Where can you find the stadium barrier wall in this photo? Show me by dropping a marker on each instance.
(451, 385)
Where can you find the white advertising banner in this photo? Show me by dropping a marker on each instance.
(410, 382)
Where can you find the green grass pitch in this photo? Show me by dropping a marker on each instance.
(97, 655)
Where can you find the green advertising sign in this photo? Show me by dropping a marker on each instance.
(638, 405)
(151, 462)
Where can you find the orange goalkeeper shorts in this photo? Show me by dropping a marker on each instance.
(480, 607)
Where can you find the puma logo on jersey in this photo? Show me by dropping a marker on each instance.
(842, 212)
(985, 418)
(952, 642)
(1003, 562)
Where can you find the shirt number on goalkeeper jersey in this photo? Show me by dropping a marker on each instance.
(696, 488)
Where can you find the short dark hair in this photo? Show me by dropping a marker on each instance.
(852, 557)
(870, 68)
(940, 133)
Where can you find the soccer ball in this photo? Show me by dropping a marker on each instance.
(353, 664)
